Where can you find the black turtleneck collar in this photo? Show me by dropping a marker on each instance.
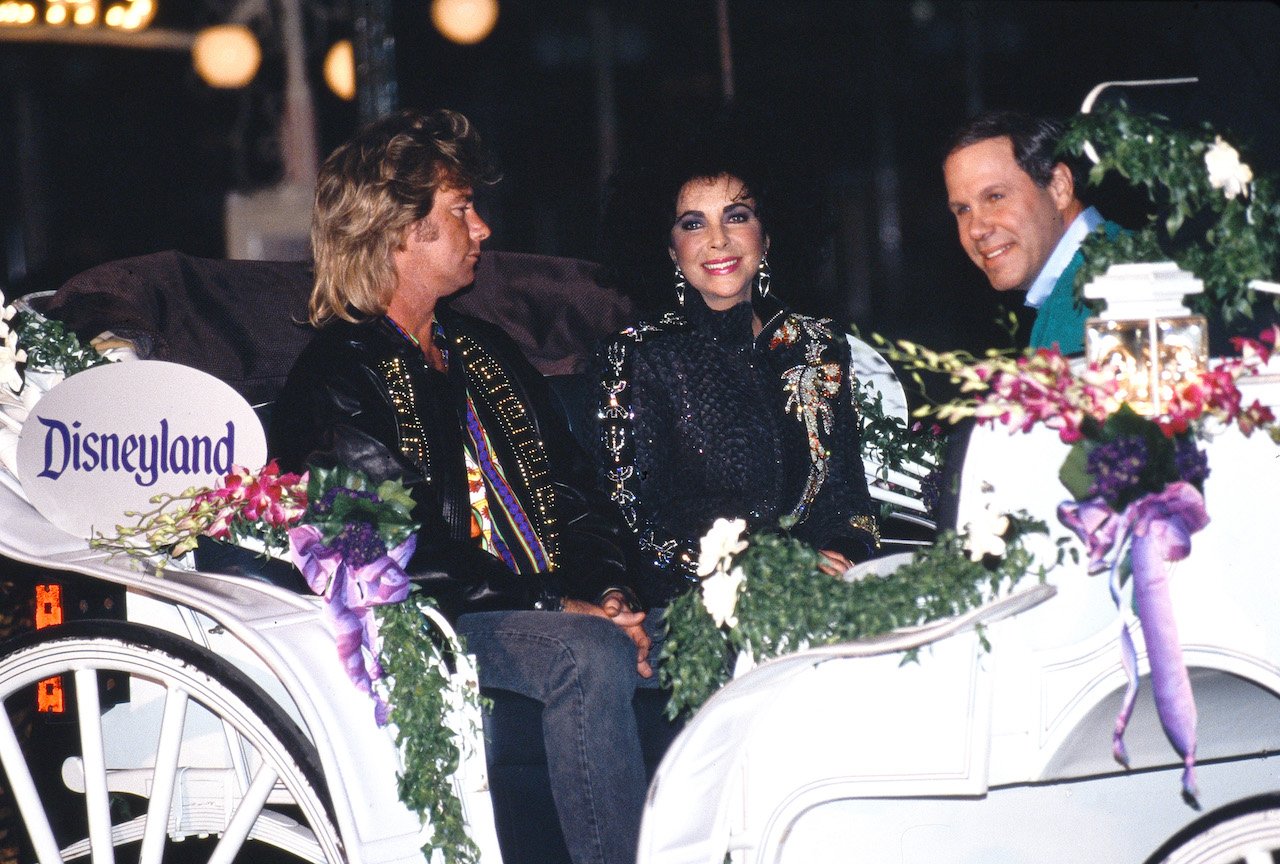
(731, 326)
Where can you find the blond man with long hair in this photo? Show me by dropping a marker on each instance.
(397, 385)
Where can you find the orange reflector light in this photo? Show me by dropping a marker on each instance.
(49, 699)
(49, 696)
(48, 605)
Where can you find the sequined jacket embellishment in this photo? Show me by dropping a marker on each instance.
(616, 432)
(812, 388)
(413, 443)
(490, 388)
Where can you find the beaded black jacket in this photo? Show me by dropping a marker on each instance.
(699, 420)
(363, 396)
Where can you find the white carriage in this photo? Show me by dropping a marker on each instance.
(178, 712)
(847, 754)
(207, 716)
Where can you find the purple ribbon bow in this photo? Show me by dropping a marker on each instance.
(1158, 528)
(350, 595)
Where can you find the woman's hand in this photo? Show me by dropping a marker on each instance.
(833, 563)
(614, 607)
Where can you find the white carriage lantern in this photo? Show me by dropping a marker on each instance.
(1145, 335)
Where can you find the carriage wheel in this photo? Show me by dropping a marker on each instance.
(1245, 833)
(195, 742)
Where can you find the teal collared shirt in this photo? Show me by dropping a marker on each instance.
(1086, 221)
(1060, 319)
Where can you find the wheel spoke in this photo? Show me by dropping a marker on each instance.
(247, 811)
(199, 743)
(97, 800)
(164, 776)
(24, 792)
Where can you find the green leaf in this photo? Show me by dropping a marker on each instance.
(1125, 422)
(50, 345)
(1074, 472)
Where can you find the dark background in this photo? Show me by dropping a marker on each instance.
(110, 152)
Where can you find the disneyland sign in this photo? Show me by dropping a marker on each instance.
(104, 442)
(146, 457)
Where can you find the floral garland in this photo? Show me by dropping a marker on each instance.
(763, 596)
(1215, 219)
(1136, 483)
(31, 343)
(246, 509)
(351, 540)
(426, 705)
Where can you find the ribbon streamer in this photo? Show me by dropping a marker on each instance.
(350, 595)
(1156, 530)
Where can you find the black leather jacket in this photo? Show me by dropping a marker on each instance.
(362, 395)
(699, 420)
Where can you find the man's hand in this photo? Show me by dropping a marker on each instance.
(614, 607)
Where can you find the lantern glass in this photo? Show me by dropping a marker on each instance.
(1148, 356)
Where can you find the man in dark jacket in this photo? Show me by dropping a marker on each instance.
(398, 386)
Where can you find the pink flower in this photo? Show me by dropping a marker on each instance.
(1172, 425)
(220, 527)
(1039, 388)
(245, 499)
(1252, 350)
(258, 498)
(234, 484)
(1256, 416)
(1221, 396)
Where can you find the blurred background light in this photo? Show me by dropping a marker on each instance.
(86, 14)
(464, 21)
(12, 12)
(226, 55)
(134, 15)
(340, 69)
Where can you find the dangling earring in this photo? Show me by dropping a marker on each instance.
(680, 285)
(763, 276)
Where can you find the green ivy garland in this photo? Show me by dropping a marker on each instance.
(419, 696)
(787, 604)
(892, 445)
(1225, 237)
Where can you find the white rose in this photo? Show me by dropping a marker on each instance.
(720, 544)
(10, 356)
(985, 535)
(720, 596)
(1226, 171)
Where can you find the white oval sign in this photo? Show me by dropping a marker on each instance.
(105, 441)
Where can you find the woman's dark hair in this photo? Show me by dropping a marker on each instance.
(640, 208)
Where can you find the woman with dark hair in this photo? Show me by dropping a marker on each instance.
(732, 405)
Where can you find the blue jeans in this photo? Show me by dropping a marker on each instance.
(582, 668)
